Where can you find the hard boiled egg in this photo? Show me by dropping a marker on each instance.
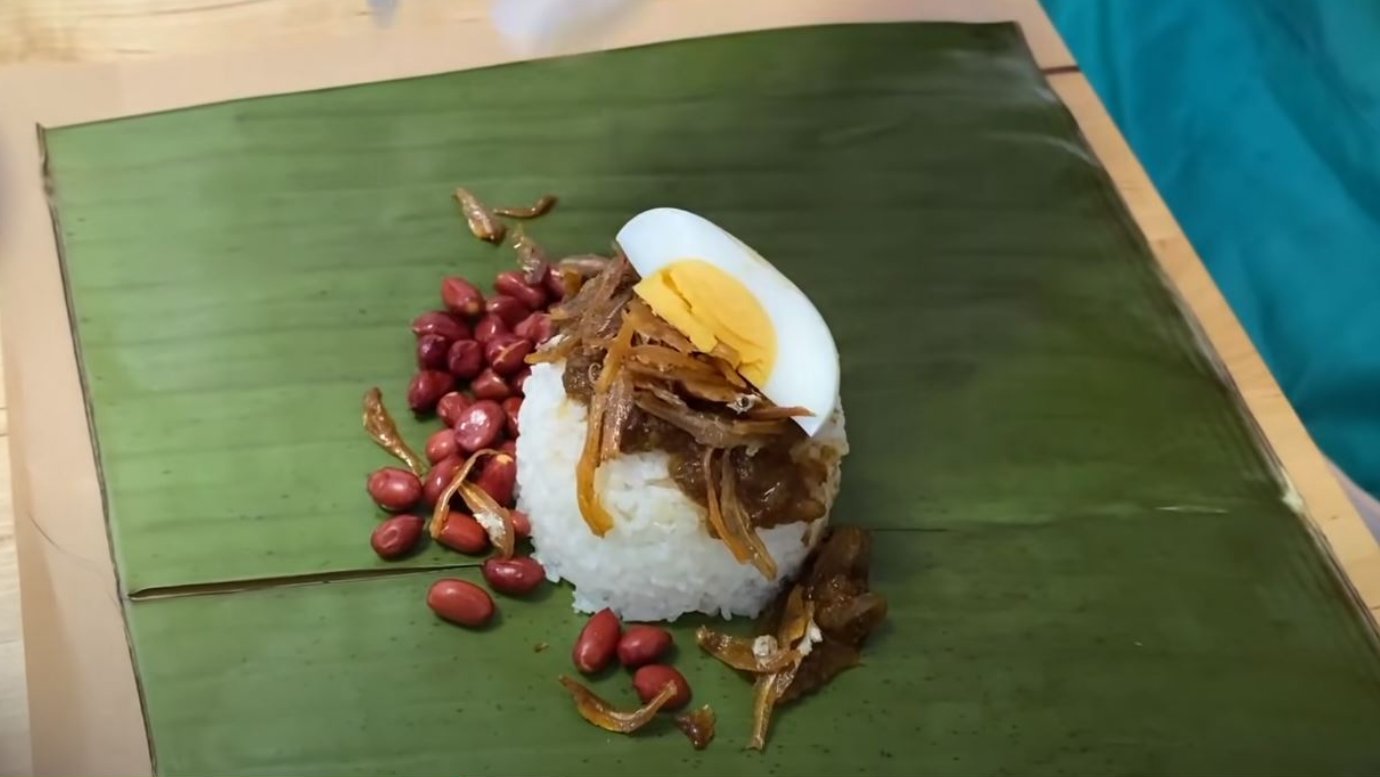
(715, 289)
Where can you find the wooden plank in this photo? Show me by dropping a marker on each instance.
(1321, 500)
(14, 704)
(123, 30)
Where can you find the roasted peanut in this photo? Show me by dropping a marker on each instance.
(465, 359)
(536, 328)
(513, 284)
(598, 642)
(514, 576)
(451, 406)
(507, 353)
(488, 327)
(554, 283)
(650, 679)
(441, 445)
(463, 533)
(643, 644)
(479, 425)
(460, 602)
(462, 297)
(397, 536)
(499, 478)
(512, 408)
(394, 489)
(438, 478)
(427, 388)
(439, 322)
(522, 525)
(509, 309)
(488, 385)
(431, 352)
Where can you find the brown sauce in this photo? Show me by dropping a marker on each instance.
(773, 487)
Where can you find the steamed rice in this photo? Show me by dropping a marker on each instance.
(658, 561)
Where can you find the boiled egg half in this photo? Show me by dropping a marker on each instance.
(715, 289)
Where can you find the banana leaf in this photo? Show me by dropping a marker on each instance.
(1089, 562)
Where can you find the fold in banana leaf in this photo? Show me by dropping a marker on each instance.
(1087, 559)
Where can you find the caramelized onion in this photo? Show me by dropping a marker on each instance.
(605, 716)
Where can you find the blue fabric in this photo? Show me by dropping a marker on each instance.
(1259, 121)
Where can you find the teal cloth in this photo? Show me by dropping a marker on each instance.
(1259, 121)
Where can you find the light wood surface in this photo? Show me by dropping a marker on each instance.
(436, 35)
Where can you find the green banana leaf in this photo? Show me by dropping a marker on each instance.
(1089, 563)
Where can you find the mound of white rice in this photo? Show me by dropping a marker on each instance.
(658, 561)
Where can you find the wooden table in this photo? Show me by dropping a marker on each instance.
(47, 31)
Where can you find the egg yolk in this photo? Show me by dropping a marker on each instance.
(709, 306)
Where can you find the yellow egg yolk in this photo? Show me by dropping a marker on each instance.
(710, 307)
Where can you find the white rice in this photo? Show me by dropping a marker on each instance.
(658, 561)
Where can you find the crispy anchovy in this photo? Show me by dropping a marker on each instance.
(441, 513)
(482, 221)
(605, 716)
(544, 205)
(379, 424)
(587, 265)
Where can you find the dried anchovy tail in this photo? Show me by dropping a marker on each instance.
(381, 428)
(543, 206)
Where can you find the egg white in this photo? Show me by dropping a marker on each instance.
(806, 370)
